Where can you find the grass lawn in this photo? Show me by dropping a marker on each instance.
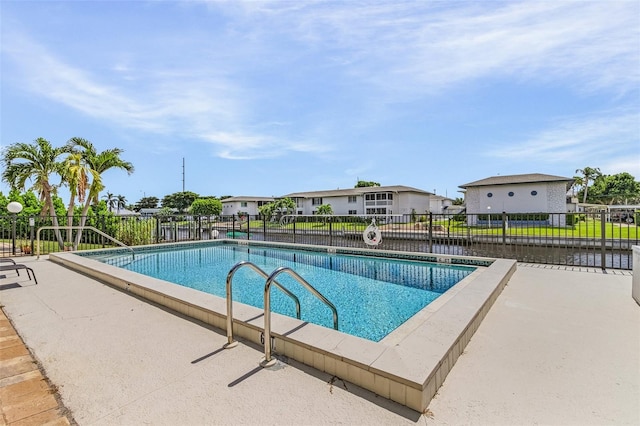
(588, 229)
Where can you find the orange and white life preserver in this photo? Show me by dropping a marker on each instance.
(372, 235)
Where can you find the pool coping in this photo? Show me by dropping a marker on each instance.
(408, 366)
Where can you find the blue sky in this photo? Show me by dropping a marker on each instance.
(272, 97)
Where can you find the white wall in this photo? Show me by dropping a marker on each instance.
(405, 203)
(236, 206)
(550, 198)
(339, 205)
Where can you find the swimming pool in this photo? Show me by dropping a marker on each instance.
(407, 366)
(373, 296)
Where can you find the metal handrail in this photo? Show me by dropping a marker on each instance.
(267, 308)
(230, 342)
(91, 228)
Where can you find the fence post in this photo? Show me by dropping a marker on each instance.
(103, 229)
(330, 233)
(504, 231)
(430, 233)
(603, 242)
(264, 227)
(32, 224)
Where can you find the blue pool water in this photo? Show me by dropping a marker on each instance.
(373, 296)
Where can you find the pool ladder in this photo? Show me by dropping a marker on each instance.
(270, 280)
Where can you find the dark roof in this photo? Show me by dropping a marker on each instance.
(355, 191)
(511, 179)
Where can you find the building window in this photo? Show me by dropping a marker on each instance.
(316, 201)
(370, 197)
(511, 194)
(377, 211)
(490, 195)
(534, 193)
(352, 199)
(353, 211)
(243, 204)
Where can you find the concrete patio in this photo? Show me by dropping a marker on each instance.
(558, 347)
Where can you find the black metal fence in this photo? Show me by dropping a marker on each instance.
(591, 239)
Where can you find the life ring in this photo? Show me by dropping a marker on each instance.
(372, 235)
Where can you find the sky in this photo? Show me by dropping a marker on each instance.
(267, 98)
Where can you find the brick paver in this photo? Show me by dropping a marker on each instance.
(26, 398)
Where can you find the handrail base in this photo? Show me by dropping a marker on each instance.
(230, 345)
(266, 364)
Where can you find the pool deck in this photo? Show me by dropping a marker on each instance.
(558, 346)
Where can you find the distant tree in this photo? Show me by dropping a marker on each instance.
(224, 197)
(324, 209)
(589, 174)
(206, 207)
(31, 206)
(279, 207)
(165, 211)
(111, 200)
(146, 203)
(121, 202)
(180, 201)
(285, 205)
(621, 188)
(267, 210)
(459, 201)
(364, 184)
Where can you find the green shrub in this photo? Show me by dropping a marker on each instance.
(136, 233)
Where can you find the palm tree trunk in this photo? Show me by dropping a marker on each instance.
(83, 220)
(54, 219)
(70, 220)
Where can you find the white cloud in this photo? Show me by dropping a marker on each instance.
(610, 138)
(189, 103)
(425, 47)
(397, 49)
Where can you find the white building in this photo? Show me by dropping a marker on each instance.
(439, 204)
(243, 204)
(527, 193)
(379, 200)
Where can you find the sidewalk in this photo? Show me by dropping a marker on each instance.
(558, 347)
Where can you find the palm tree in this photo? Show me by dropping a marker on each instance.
(98, 163)
(36, 162)
(111, 200)
(590, 174)
(76, 176)
(121, 202)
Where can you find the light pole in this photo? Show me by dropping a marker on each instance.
(489, 216)
(14, 208)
